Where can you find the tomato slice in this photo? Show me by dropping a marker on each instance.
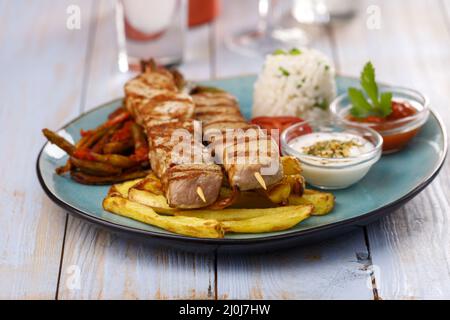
(281, 122)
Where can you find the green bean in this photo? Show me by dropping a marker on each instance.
(95, 168)
(116, 112)
(100, 143)
(98, 146)
(138, 136)
(96, 134)
(89, 140)
(65, 168)
(118, 147)
(59, 141)
(116, 160)
(95, 180)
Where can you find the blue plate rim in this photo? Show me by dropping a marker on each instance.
(227, 241)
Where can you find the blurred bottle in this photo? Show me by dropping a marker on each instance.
(150, 29)
(202, 11)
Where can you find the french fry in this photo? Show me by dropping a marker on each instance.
(188, 226)
(121, 189)
(155, 201)
(291, 165)
(277, 221)
(253, 212)
(297, 183)
(279, 193)
(232, 214)
(292, 182)
(151, 183)
(323, 202)
(290, 185)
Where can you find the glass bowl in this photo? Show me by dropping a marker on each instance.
(396, 134)
(332, 173)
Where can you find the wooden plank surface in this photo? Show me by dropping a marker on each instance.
(335, 269)
(109, 265)
(328, 270)
(411, 248)
(446, 4)
(41, 83)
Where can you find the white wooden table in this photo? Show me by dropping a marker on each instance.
(50, 74)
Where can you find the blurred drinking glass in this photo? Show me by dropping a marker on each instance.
(267, 36)
(150, 29)
(322, 11)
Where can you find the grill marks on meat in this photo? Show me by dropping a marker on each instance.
(164, 138)
(218, 110)
(154, 100)
(183, 177)
(242, 149)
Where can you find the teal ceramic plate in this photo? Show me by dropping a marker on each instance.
(394, 180)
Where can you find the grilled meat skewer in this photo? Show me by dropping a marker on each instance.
(219, 111)
(154, 99)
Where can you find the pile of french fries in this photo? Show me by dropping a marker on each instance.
(281, 207)
(115, 151)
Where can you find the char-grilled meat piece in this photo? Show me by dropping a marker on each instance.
(156, 103)
(241, 157)
(182, 180)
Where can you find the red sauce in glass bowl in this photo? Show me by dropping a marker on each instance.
(394, 141)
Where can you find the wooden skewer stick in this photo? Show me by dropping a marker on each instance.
(260, 179)
(201, 194)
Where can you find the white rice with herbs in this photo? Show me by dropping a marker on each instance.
(296, 83)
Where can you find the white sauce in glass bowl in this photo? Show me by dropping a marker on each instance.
(360, 146)
(336, 172)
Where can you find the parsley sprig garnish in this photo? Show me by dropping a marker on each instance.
(284, 72)
(292, 52)
(376, 104)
